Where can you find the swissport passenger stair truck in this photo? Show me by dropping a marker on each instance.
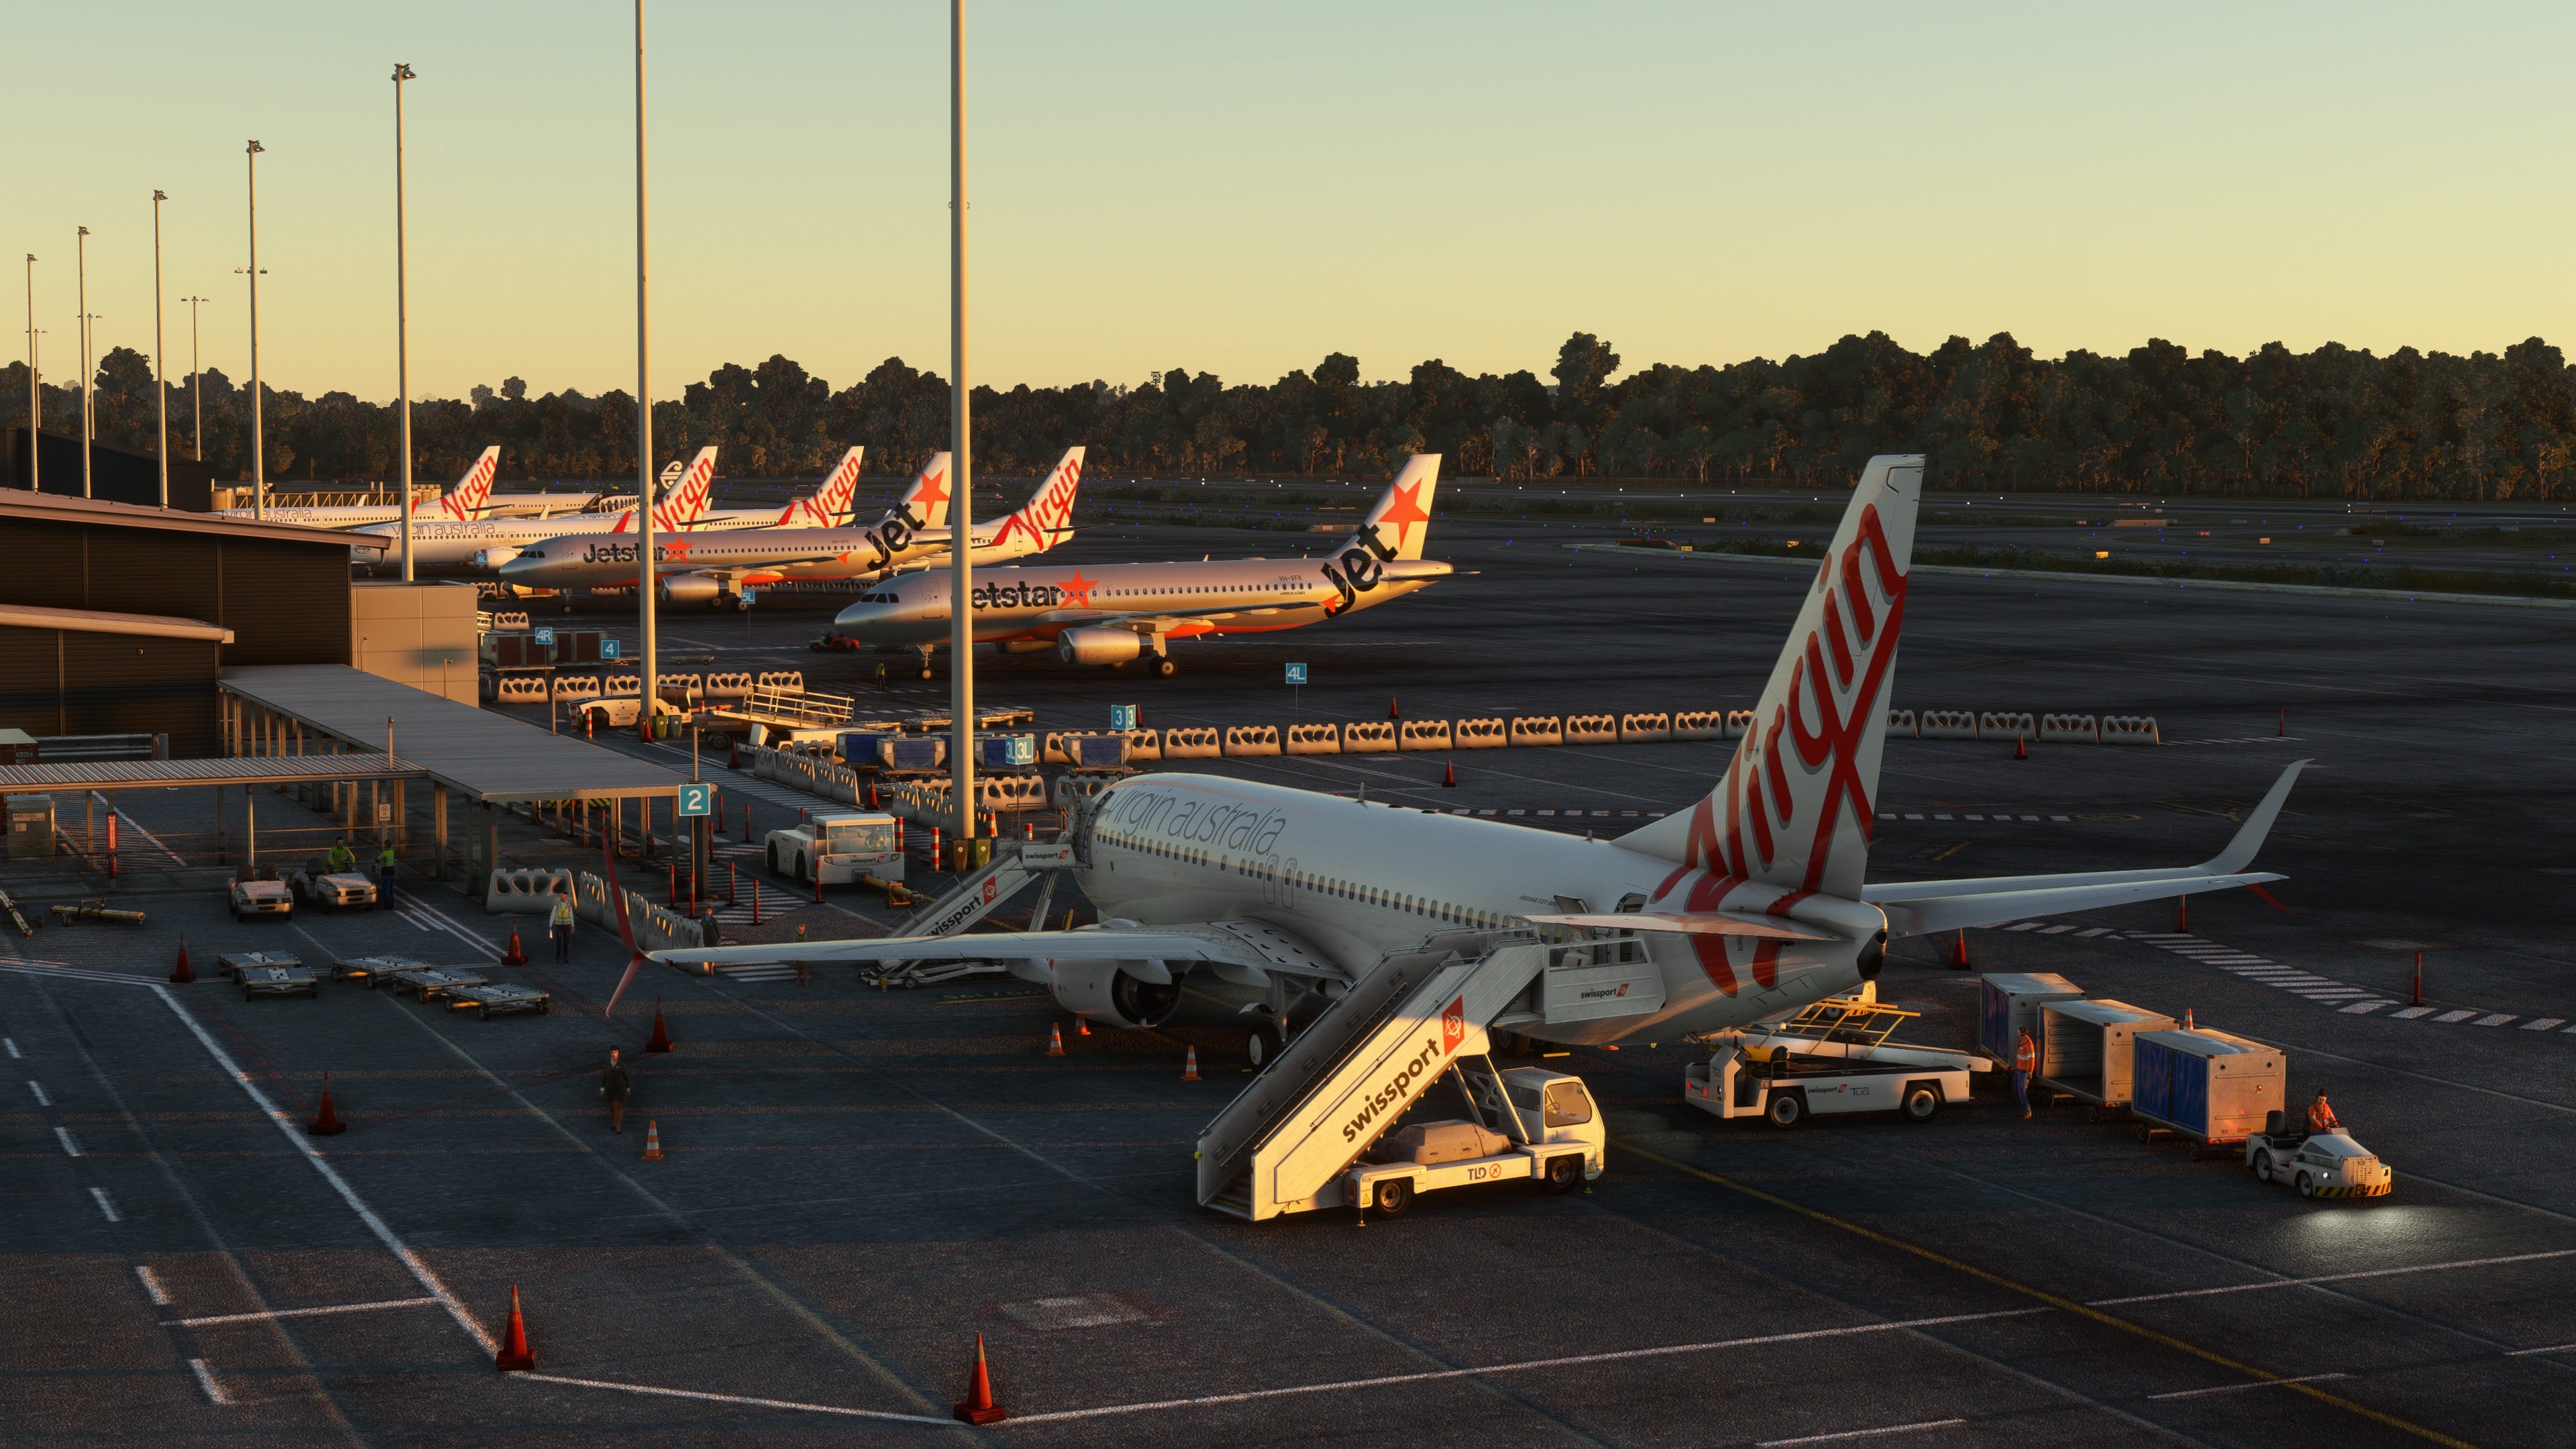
(1319, 1127)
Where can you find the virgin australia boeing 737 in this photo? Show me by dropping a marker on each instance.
(1114, 613)
(1748, 904)
(469, 499)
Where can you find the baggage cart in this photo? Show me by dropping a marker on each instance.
(2318, 1164)
(370, 970)
(490, 1001)
(429, 983)
(270, 973)
(2206, 1087)
(2088, 1052)
(2011, 1007)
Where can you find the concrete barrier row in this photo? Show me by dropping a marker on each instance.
(1591, 729)
(785, 681)
(576, 686)
(520, 689)
(525, 892)
(729, 686)
(1197, 743)
(1245, 741)
(1699, 724)
(1960, 724)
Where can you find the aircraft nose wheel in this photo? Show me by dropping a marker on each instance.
(1165, 667)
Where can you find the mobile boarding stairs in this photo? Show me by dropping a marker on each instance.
(1300, 1136)
(1015, 866)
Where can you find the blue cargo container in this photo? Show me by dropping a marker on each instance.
(912, 752)
(1005, 752)
(2206, 1085)
(1097, 752)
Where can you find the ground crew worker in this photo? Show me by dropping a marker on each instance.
(804, 969)
(2025, 1062)
(388, 870)
(559, 926)
(342, 857)
(2321, 1117)
(613, 1087)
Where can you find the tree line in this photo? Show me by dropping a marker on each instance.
(2334, 422)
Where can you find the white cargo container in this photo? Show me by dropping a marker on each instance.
(2088, 1050)
(2012, 1002)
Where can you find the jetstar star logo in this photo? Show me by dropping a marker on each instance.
(932, 493)
(1404, 512)
(1077, 590)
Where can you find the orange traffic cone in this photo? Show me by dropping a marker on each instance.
(1959, 953)
(180, 975)
(2021, 747)
(2186, 1020)
(652, 1141)
(660, 1040)
(1449, 777)
(1190, 1068)
(517, 955)
(1055, 1040)
(1082, 1024)
(326, 1123)
(514, 1357)
(736, 762)
(1393, 711)
(979, 1407)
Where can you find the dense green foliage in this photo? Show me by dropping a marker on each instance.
(2333, 422)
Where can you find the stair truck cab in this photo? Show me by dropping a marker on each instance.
(857, 847)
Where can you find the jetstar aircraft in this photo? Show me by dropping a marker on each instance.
(723, 570)
(1750, 904)
(469, 499)
(1113, 613)
(489, 543)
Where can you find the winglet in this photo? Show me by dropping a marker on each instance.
(2250, 835)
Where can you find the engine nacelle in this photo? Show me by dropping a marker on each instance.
(1098, 646)
(495, 556)
(690, 589)
(1104, 991)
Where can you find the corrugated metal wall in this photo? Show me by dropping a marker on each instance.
(56, 682)
(286, 603)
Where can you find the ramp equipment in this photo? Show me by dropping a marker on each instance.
(1312, 1129)
(1016, 865)
(1834, 1056)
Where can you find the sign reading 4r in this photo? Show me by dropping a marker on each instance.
(697, 799)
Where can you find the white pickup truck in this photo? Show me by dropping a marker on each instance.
(858, 847)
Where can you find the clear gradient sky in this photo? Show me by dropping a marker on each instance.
(1243, 188)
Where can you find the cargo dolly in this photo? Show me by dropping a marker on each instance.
(490, 1001)
(429, 982)
(271, 973)
(2211, 1089)
(373, 969)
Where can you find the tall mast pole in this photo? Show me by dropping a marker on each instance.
(35, 393)
(961, 505)
(196, 385)
(258, 435)
(160, 375)
(88, 370)
(643, 406)
(402, 325)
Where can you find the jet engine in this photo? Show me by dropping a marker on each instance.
(495, 556)
(1107, 991)
(1098, 646)
(690, 589)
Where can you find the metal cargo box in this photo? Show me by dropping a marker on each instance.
(31, 827)
(1004, 752)
(2088, 1048)
(577, 646)
(1098, 752)
(17, 747)
(2207, 1084)
(2012, 1002)
(912, 752)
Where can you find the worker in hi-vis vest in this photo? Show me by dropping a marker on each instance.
(2321, 1117)
(2025, 1062)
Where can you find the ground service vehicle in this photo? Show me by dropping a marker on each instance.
(258, 892)
(846, 849)
(327, 889)
(2318, 1164)
(621, 712)
(271, 973)
(1832, 1057)
(1559, 1142)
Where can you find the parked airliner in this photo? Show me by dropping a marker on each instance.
(1115, 613)
(469, 499)
(1748, 903)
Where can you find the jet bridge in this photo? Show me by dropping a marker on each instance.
(1288, 1140)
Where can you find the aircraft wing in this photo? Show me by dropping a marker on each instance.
(1244, 951)
(1156, 621)
(1692, 923)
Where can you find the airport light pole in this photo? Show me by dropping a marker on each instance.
(81, 270)
(160, 376)
(35, 389)
(643, 409)
(258, 436)
(961, 507)
(196, 384)
(402, 325)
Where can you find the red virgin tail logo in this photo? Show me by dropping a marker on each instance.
(1050, 510)
(1453, 1025)
(465, 501)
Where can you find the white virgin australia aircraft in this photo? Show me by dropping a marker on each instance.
(721, 569)
(469, 499)
(1749, 904)
(1114, 613)
(489, 543)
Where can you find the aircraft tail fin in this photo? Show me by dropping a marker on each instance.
(1795, 807)
(1401, 522)
(1039, 524)
(924, 503)
(828, 506)
(464, 502)
(686, 502)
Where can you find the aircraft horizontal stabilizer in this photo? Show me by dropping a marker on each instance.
(1693, 923)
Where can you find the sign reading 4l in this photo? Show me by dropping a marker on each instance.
(697, 799)
(1296, 674)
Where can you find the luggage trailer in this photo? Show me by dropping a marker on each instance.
(1833, 1057)
(2088, 1053)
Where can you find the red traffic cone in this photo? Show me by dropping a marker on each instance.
(872, 795)
(325, 1123)
(517, 955)
(979, 1407)
(1959, 953)
(2021, 747)
(180, 975)
(2182, 913)
(652, 1141)
(1055, 1040)
(1190, 1068)
(1449, 776)
(660, 1040)
(1082, 1024)
(1393, 710)
(2186, 1020)
(736, 762)
(514, 1357)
